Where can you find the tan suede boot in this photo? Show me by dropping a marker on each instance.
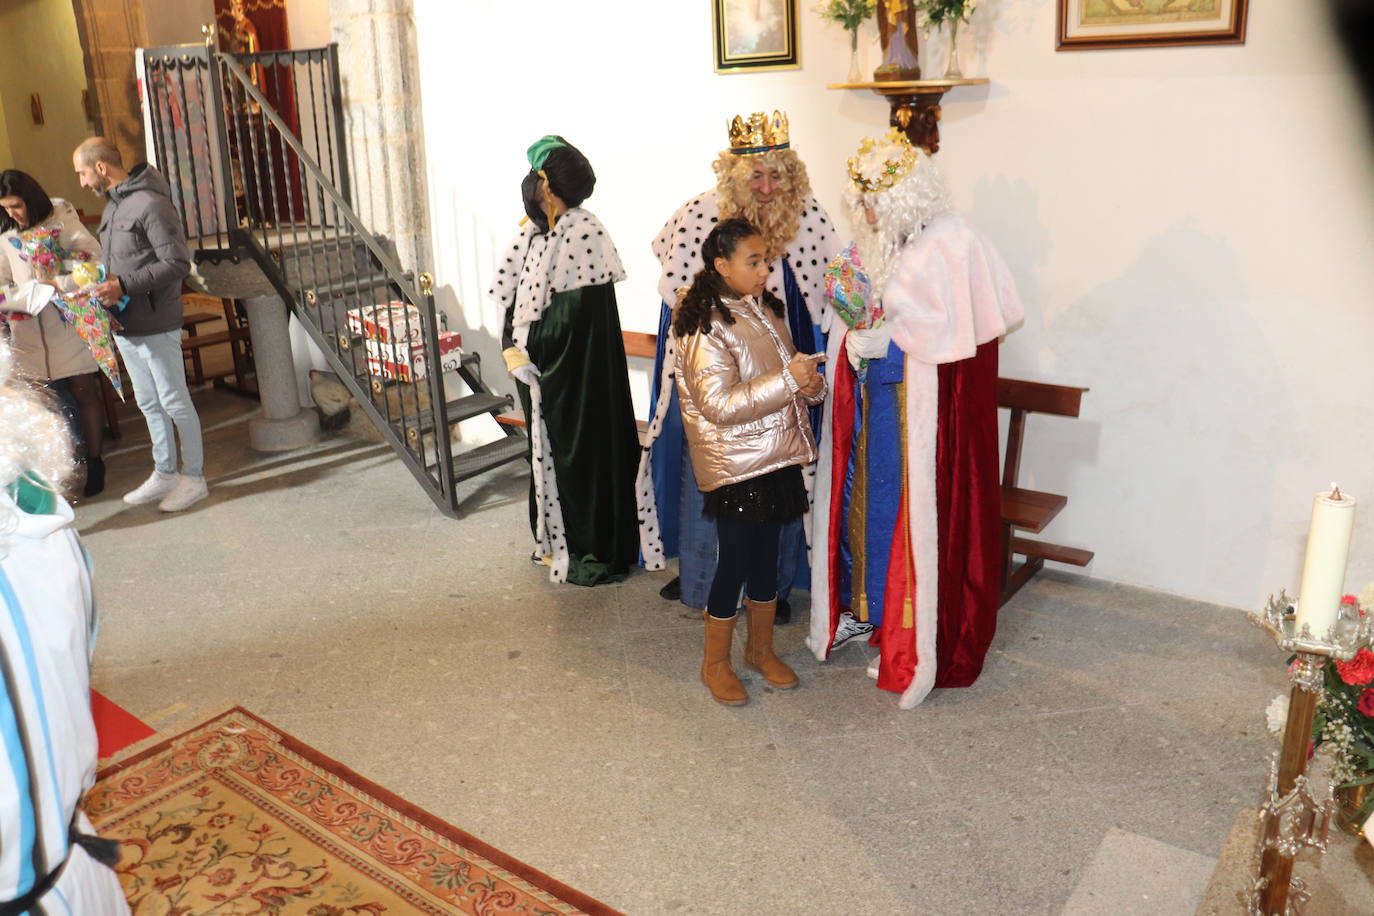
(758, 651)
(716, 672)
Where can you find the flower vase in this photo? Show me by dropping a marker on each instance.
(1353, 807)
(952, 68)
(855, 75)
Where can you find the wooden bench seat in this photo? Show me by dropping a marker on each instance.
(1031, 510)
(1074, 556)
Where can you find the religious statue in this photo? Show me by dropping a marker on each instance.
(897, 31)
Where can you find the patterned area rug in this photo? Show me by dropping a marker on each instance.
(235, 817)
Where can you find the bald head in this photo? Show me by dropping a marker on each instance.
(99, 165)
(98, 149)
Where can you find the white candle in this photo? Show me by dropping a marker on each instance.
(1323, 572)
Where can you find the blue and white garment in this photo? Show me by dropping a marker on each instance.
(670, 522)
(47, 628)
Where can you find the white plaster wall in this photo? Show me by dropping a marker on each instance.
(1190, 229)
(43, 55)
(308, 22)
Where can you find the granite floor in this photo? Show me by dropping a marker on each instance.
(1096, 767)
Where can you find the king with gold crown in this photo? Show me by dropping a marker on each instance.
(762, 179)
(907, 520)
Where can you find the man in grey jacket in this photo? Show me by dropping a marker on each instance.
(146, 258)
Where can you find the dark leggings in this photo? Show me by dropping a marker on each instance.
(748, 553)
(85, 409)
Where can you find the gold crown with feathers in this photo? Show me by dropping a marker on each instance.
(900, 159)
(758, 133)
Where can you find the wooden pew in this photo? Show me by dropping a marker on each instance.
(1031, 510)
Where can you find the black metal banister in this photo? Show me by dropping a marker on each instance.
(274, 202)
(383, 257)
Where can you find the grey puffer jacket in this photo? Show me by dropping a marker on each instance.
(145, 247)
(742, 411)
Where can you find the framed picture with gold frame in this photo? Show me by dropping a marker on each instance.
(1094, 24)
(755, 35)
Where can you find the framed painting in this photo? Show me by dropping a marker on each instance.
(755, 35)
(1092, 24)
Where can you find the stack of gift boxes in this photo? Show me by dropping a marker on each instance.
(394, 335)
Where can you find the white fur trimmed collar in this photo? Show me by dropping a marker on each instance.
(577, 253)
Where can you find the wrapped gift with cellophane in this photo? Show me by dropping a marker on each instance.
(851, 294)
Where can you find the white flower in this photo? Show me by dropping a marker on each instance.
(1366, 597)
(1277, 714)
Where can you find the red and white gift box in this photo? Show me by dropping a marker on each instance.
(407, 363)
(389, 322)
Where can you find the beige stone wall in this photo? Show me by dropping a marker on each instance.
(5, 154)
(110, 31)
(48, 62)
(377, 54)
(176, 22)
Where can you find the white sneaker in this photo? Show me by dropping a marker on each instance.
(849, 627)
(187, 492)
(151, 490)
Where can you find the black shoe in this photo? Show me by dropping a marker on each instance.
(95, 477)
(784, 612)
(672, 591)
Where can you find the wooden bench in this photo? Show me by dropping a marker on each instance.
(1031, 510)
(202, 309)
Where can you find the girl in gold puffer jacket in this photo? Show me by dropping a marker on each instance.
(743, 390)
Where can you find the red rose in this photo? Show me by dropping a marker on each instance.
(1359, 670)
(1349, 599)
(1366, 704)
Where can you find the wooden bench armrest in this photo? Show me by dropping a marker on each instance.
(1038, 397)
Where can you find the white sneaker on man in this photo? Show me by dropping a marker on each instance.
(849, 627)
(187, 492)
(152, 490)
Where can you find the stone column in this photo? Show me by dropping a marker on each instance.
(110, 30)
(283, 425)
(381, 87)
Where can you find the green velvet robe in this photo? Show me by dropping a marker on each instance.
(593, 439)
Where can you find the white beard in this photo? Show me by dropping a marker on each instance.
(879, 249)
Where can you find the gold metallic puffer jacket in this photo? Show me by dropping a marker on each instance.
(741, 409)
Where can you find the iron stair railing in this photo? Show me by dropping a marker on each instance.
(247, 185)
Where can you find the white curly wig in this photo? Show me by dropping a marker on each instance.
(915, 198)
(33, 434)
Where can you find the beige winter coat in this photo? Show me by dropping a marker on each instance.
(44, 345)
(742, 411)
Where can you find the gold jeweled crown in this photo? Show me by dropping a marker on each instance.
(758, 134)
(868, 174)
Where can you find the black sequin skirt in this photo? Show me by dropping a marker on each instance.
(778, 496)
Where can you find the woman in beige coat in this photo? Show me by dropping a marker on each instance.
(46, 348)
(743, 390)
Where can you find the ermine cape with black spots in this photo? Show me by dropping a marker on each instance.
(557, 290)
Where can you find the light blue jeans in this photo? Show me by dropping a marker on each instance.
(158, 375)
